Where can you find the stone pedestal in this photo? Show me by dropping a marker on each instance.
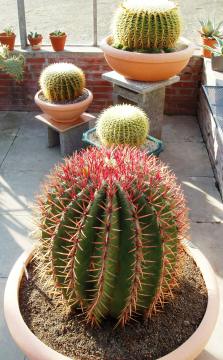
(149, 96)
(68, 136)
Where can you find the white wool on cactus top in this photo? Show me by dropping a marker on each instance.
(149, 4)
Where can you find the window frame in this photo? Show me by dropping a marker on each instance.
(23, 30)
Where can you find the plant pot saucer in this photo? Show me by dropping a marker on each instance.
(35, 349)
(64, 113)
(145, 66)
(153, 146)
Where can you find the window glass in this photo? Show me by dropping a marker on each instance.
(71, 16)
(9, 17)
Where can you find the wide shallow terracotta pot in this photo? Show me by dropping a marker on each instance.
(58, 42)
(35, 42)
(147, 67)
(64, 113)
(34, 349)
(208, 42)
(8, 40)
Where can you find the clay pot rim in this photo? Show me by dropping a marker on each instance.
(9, 36)
(63, 107)
(145, 58)
(57, 36)
(36, 349)
(40, 36)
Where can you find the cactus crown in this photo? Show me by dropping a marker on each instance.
(111, 225)
(145, 25)
(62, 82)
(123, 124)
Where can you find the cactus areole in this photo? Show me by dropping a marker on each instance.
(112, 221)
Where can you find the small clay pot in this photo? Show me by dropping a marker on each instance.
(35, 42)
(208, 42)
(8, 40)
(58, 42)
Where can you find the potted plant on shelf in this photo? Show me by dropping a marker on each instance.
(63, 95)
(111, 230)
(58, 39)
(145, 43)
(11, 64)
(35, 40)
(209, 31)
(123, 125)
(217, 55)
(7, 37)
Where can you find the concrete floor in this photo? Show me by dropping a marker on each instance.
(25, 160)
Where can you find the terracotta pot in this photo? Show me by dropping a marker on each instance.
(208, 42)
(35, 42)
(8, 40)
(64, 113)
(147, 67)
(34, 349)
(58, 42)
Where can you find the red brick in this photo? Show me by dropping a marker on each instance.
(35, 60)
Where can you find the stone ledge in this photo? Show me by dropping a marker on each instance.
(210, 77)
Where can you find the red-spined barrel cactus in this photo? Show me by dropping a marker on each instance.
(112, 221)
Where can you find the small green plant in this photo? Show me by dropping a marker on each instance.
(217, 50)
(140, 25)
(210, 29)
(111, 225)
(123, 124)
(33, 35)
(8, 30)
(57, 33)
(62, 82)
(11, 64)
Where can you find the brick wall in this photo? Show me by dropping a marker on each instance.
(181, 98)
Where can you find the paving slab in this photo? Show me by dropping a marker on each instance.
(203, 199)
(14, 238)
(12, 119)
(209, 238)
(32, 154)
(18, 188)
(180, 129)
(187, 159)
(6, 140)
(8, 349)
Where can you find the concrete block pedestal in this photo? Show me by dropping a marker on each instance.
(68, 136)
(149, 96)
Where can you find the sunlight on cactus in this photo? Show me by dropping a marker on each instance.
(111, 225)
(11, 64)
(146, 25)
(123, 124)
(62, 82)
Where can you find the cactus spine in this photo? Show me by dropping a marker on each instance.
(111, 224)
(62, 82)
(141, 28)
(123, 124)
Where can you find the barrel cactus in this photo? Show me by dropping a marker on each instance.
(142, 24)
(123, 124)
(61, 82)
(111, 223)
